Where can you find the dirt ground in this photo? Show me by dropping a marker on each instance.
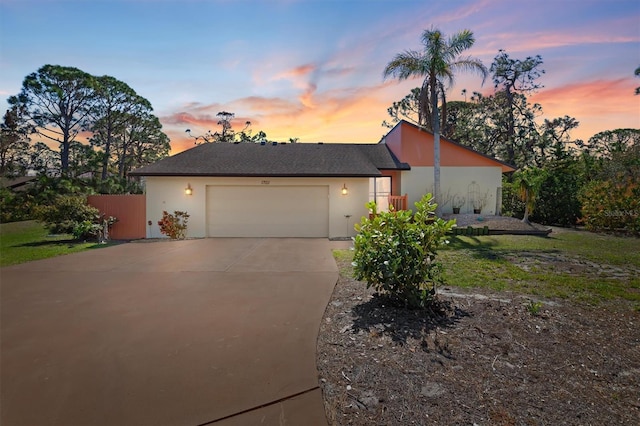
(485, 359)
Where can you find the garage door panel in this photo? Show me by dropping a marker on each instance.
(268, 211)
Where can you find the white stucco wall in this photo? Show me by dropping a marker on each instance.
(167, 193)
(454, 180)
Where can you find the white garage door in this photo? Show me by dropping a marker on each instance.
(268, 211)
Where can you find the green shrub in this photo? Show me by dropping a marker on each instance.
(65, 213)
(512, 205)
(395, 252)
(98, 229)
(174, 225)
(14, 206)
(609, 205)
(558, 202)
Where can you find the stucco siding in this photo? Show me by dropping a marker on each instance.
(167, 193)
(466, 182)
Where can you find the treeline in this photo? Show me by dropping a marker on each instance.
(98, 126)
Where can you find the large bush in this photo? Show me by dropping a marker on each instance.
(512, 205)
(611, 205)
(14, 206)
(39, 194)
(558, 202)
(66, 213)
(395, 252)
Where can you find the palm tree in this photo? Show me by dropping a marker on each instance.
(529, 182)
(436, 63)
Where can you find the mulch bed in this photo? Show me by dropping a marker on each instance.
(498, 224)
(483, 358)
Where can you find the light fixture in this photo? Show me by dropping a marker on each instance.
(188, 190)
(344, 190)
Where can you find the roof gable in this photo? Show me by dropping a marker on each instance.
(414, 145)
(284, 160)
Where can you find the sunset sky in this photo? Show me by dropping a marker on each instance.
(313, 69)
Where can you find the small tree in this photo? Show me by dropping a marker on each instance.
(174, 225)
(395, 252)
(529, 182)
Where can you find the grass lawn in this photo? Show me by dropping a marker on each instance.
(25, 241)
(568, 264)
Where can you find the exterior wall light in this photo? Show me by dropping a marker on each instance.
(344, 189)
(188, 190)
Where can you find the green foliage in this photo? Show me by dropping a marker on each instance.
(13, 206)
(611, 199)
(528, 182)
(66, 213)
(60, 103)
(558, 202)
(116, 185)
(57, 99)
(534, 307)
(21, 205)
(611, 205)
(512, 205)
(174, 225)
(14, 143)
(97, 229)
(395, 252)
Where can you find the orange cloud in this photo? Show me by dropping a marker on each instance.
(299, 71)
(353, 115)
(598, 105)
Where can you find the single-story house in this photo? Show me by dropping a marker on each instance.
(309, 190)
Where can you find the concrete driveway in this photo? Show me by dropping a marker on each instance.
(195, 332)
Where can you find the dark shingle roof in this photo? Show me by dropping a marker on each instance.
(284, 160)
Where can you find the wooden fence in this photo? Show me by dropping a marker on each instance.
(130, 210)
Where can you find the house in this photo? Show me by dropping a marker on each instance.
(304, 189)
(465, 175)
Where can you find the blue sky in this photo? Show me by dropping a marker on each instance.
(313, 69)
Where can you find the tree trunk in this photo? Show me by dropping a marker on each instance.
(107, 149)
(435, 121)
(525, 218)
(64, 153)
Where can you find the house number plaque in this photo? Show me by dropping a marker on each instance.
(266, 182)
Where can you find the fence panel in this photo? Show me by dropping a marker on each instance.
(399, 202)
(130, 210)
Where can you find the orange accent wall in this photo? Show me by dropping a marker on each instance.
(414, 146)
(130, 210)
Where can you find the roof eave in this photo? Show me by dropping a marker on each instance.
(285, 175)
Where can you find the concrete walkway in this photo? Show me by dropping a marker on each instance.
(195, 332)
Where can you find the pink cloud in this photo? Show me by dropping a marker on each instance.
(603, 97)
(299, 71)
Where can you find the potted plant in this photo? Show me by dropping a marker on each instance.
(457, 201)
(480, 202)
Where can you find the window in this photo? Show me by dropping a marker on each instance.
(379, 191)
